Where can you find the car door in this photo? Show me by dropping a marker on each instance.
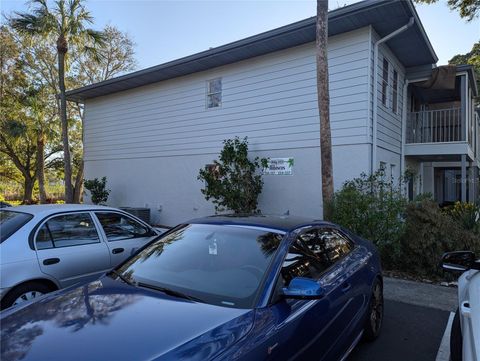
(308, 329)
(69, 248)
(346, 277)
(124, 234)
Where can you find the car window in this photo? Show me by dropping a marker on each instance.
(11, 221)
(305, 258)
(336, 244)
(118, 226)
(219, 264)
(67, 230)
(312, 253)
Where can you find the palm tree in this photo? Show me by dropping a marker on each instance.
(324, 107)
(66, 22)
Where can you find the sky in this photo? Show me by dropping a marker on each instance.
(166, 30)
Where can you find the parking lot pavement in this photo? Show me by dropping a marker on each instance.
(409, 333)
(415, 320)
(421, 294)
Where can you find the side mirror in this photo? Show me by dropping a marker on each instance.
(303, 288)
(458, 261)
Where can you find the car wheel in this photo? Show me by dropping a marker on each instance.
(23, 293)
(373, 323)
(456, 342)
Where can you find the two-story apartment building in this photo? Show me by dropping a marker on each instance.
(149, 132)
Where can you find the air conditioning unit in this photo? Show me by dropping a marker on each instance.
(142, 213)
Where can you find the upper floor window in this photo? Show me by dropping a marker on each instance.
(214, 93)
(385, 82)
(395, 92)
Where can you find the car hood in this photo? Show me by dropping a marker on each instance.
(109, 320)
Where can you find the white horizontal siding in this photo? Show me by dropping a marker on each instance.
(272, 99)
(389, 126)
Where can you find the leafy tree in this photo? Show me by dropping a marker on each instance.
(115, 57)
(232, 182)
(66, 22)
(468, 9)
(42, 118)
(16, 140)
(472, 58)
(39, 59)
(26, 115)
(10, 176)
(98, 190)
(16, 143)
(324, 106)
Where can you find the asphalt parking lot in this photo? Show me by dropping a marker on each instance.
(415, 320)
(410, 333)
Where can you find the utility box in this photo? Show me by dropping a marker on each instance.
(142, 213)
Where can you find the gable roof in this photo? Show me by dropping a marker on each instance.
(412, 47)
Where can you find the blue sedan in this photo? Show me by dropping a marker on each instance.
(217, 288)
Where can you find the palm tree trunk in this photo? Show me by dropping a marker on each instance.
(63, 117)
(40, 164)
(77, 195)
(324, 107)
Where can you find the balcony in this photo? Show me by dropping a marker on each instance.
(435, 126)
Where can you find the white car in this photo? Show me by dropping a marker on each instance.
(48, 247)
(465, 334)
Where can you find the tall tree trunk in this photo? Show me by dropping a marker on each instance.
(324, 107)
(29, 183)
(40, 163)
(77, 195)
(63, 117)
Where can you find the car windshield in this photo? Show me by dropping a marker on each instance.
(217, 264)
(11, 221)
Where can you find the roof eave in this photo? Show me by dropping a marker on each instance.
(422, 30)
(94, 90)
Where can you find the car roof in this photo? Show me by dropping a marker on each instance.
(284, 223)
(46, 209)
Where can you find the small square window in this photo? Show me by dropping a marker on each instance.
(214, 93)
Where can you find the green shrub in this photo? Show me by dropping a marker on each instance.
(98, 192)
(411, 236)
(233, 182)
(372, 207)
(467, 215)
(430, 232)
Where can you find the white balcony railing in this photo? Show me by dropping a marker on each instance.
(435, 126)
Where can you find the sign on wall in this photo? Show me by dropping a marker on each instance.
(279, 166)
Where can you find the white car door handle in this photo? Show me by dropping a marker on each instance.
(50, 261)
(117, 250)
